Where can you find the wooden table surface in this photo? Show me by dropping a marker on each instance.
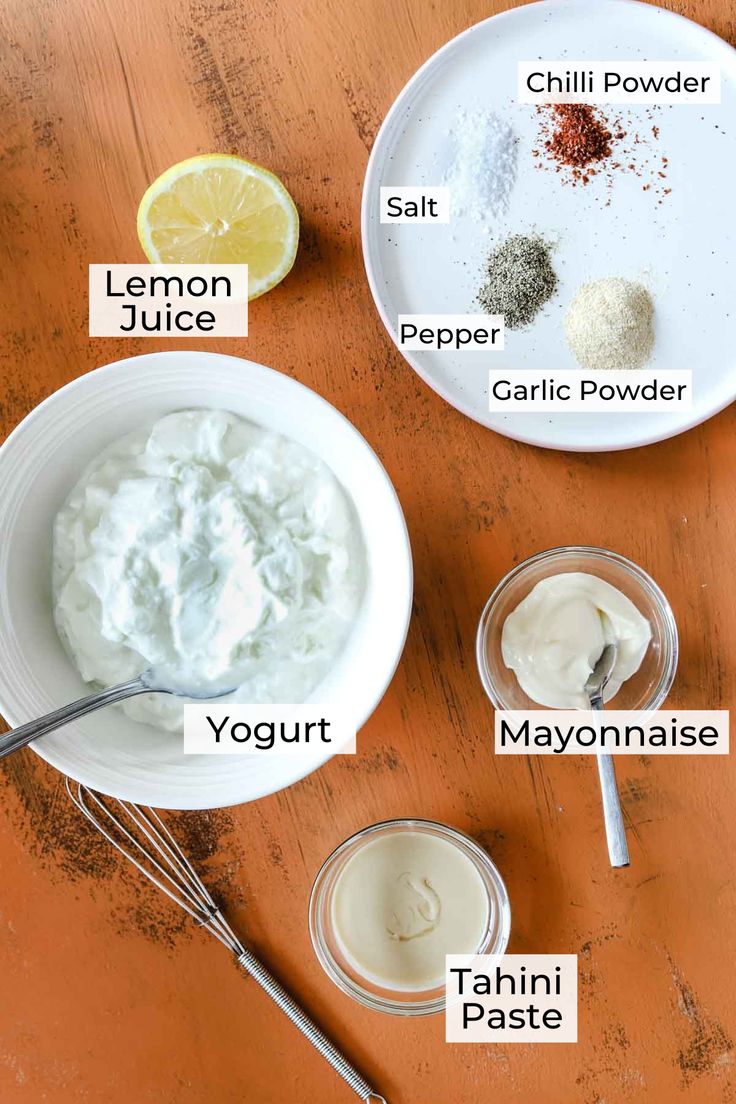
(107, 994)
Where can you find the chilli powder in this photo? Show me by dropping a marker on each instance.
(577, 137)
(579, 142)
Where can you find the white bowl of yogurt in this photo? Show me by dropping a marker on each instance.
(138, 757)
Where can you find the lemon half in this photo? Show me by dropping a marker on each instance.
(220, 209)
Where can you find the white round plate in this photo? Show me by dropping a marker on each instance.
(682, 248)
(39, 464)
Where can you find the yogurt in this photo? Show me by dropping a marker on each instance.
(556, 635)
(212, 548)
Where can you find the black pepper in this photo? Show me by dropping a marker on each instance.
(520, 280)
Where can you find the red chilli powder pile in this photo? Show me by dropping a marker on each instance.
(578, 142)
(577, 137)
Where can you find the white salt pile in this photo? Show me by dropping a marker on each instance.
(482, 169)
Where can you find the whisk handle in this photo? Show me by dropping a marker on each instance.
(300, 1019)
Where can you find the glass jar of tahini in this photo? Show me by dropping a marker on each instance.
(392, 900)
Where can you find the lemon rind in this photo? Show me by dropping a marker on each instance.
(181, 168)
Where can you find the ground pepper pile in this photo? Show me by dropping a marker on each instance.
(519, 280)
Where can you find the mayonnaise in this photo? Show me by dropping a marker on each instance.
(555, 636)
(211, 548)
(401, 903)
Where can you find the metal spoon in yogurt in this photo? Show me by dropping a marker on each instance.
(154, 680)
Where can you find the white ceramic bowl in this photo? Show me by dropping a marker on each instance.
(40, 462)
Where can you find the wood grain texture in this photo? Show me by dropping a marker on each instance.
(106, 995)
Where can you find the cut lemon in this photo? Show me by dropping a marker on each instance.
(219, 209)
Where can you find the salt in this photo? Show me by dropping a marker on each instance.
(482, 170)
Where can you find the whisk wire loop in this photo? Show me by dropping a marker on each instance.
(142, 837)
(174, 887)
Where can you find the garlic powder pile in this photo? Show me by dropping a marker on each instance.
(610, 324)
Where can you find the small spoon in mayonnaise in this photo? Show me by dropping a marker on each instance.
(618, 850)
(155, 680)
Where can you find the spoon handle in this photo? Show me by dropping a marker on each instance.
(19, 737)
(618, 850)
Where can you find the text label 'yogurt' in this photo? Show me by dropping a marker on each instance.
(227, 728)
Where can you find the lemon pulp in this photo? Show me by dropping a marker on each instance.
(220, 209)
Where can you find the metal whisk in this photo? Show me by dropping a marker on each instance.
(141, 836)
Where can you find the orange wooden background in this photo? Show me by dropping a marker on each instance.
(106, 994)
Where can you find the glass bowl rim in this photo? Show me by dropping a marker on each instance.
(435, 1002)
(653, 590)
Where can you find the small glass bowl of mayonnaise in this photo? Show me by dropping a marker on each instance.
(392, 900)
(645, 689)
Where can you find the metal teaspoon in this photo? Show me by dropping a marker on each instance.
(618, 850)
(152, 681)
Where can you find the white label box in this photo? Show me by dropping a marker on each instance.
(614, 731)
(411, 203)
(619, 82)
(576, 391)
(511, 998)
(229, 728)
(451, 332)
(145, 300)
